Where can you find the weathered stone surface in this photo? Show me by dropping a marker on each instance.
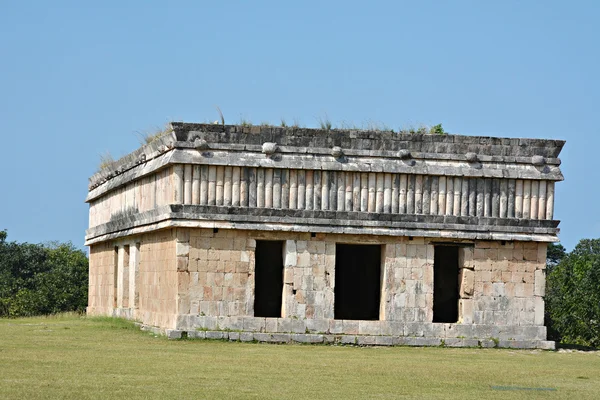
(174, 231)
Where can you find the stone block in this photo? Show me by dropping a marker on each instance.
(317, 325)
(281, 337)
(216, 335)
(246, 336)
(234, 336)
(367, 340)
(197, 334)
(307, 338)
(330, 339)
(173, 333)
(369, 327)
(336, 326)
(348, 339)
(262, 337)
(350, 327)
(291, 325)
(546, 345)
(539, 311)
(487, 343)
(253, 324)
(540, 283)
(384, 340)
(414, 329)
(271, 324)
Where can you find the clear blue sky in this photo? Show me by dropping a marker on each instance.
(79, 78)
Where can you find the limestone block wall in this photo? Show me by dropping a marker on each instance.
(501, 286)
(158, 286)
(379, 192)
(509, 284)
(102, 289)
(143, 194)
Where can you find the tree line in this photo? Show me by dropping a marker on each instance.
(37, 279)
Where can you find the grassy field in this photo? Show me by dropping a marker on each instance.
(79, 358)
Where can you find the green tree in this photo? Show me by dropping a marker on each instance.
(573, 295)
(41, 279)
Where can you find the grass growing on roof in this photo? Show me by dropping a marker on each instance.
(75, 357)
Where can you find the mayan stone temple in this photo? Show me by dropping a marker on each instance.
(342, 236)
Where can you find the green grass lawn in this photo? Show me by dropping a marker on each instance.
(77, 357)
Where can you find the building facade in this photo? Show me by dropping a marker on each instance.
(288, 234)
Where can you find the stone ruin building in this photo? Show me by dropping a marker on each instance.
(304, 235)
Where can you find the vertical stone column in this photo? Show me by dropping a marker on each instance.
(379, 192)
(372, 182)
(426, 195)
(472, 197)
(178, 184)
(235, 187)
(395, 193)
(301, 190)
(542, 201)
(288, 301)
(535, 188)
(220, 185)
(316, 190)
(527, 199)
(480, 197)
(212, 185)
(550, 200)
(519, 198)
(457, 192)
(349, 178)
(260, 187)
(364, 192)
(182, 252)
(410, 194)
(293, 189)
(120, 270)
(268, 188)
(309, 183)
(196, 184)
(433, 204)
(539, 288)
(418, 194)
(464, 198)
(204, 184)
(285, 188)
(466, 276)
(325, 185)
(495, 198)
(187, 184)
(442, 196)
(341, 190)
(503, 198)
(134, 273)
(450, 196)
(387, 193)
(248, 187)
(227, 186)
(276, 197)
(512, 187)
(487, 207)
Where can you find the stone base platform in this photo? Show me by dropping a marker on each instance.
(358, 340)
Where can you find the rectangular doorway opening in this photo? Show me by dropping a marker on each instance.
(268, 283)
(357, 281)
(445, 284)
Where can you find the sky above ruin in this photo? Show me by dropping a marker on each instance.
(79, 79)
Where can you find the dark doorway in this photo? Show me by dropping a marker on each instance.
(445, 284)
(268, 283)
(357, 281)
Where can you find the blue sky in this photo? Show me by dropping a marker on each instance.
(78, 79)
